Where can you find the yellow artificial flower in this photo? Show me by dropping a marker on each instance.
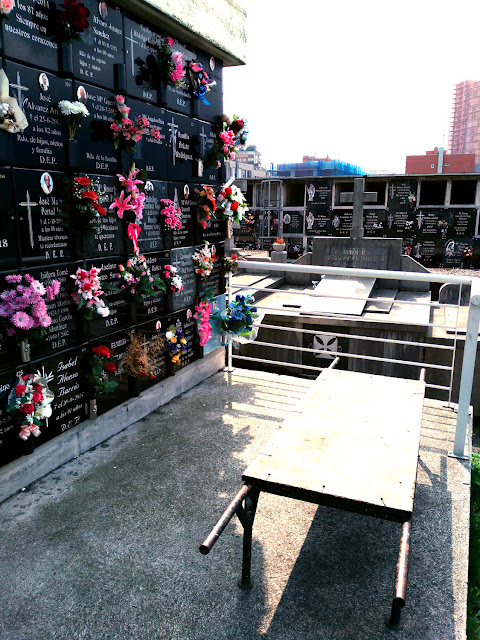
(183, 341)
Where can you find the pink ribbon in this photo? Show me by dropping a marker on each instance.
(133, 233)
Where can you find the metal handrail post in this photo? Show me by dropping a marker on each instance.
(468, 367)
(229, 345)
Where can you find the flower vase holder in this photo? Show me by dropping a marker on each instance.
(73, 153)
(78, 244)
(5, 147)
(195, 107)
(133, 386)
(27, 446)
(172, 367)
(84, 328)
(278, 247)
(65, 52)
(25, 350)
(120, 77)
(162, 94)
(92, 409)
(132, 313)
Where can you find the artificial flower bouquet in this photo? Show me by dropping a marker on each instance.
(29, 403)
(171, 277)
(143, 359)
(203, 312)
(231, 204)
(5, 7)
(137, 281)
(177, 343)
(230, 264)
(23, 306)
(101, 366)
(467, 252)
(237, 319)
(12, 118)
(203, 261)
(172, 215)
(228, 142)
(164, 64)
(135, 200)
(72, 20)
(89, 295)
(71, 116)
(126, 132)
(206, 205)
(80, 207)
(200, 81)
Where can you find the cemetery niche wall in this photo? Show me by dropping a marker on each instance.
(45, 244)
(436, 217)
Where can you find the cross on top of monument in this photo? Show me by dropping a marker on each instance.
(358, 197)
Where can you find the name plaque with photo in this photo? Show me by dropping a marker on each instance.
(155, 306)
(42, 236)
(183, 196)
(182, 261)
(28, 34)
(215, 283)
(292, 222)
(119, 317)
(214, 68)
(185, 321)
(42, 143)
(109, 238)
(8, 235)
(95, 56)
(153, 234)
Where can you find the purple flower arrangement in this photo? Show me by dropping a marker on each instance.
(23, 307)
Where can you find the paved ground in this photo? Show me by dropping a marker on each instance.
(107, 546)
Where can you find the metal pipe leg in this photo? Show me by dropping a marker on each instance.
(400, 593)
(247, 516)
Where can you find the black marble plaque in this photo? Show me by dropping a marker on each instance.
(452, 251)
(292, 222)
(108, 240)
(294, 248)
(182, 260)
(341, 222)
(215, 231)
(62, 333)
(214, 109)
(317, 220)
(94, 140)
(184, 320)
(8, 223)
(137, 38)
(427, 250)
(179, 98)
(319, 193)
(432, 222)
(215, 283)
(402, 194)
(374, 223)
(119, 316)
(207, 133)
(183, 195)
(42, 143)
(273, 229)
(41, 234)
(62, 371)
(182, 145)
(462, 222)
(151, 152)
(153, 234)
(156, 306)
(399, 222)
(95, 59)
(11, 446)
(27, 34)
(118, 343)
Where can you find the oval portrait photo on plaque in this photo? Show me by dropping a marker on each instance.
(82, 94)
(43, 81)
(46, 182)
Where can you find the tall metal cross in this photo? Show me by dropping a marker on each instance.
(132, 41)
(358, 197)
(19, 87)
(173, 137)
(29, 204)
(420, 218)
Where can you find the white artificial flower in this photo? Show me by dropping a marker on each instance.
(103, 311)
(168, 335)
(4, 107)
(43, 411)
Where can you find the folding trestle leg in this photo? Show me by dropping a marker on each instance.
(246, 515)
(400, 592)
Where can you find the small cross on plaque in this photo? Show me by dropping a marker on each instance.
(358, 197)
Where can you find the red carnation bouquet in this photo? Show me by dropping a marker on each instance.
(467, 252)
(72, 20)
(101, 366)
(80, 207)
(29, 403)
(231, 204)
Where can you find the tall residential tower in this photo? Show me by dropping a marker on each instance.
(465, 122)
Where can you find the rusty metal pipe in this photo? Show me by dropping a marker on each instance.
(400, 592)
(227, 515)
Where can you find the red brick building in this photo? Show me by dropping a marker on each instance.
(437, 161)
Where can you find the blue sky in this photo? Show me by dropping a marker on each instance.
(367, 82)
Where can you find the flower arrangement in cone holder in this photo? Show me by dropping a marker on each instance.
(176, 341)
(200, 81)
(135, 200)
(89, 295)
(71, 116)
(72, 20)
(81, 207)
(163, 64)
(126, 132)
(142, 358)
(172, 279)
(203, 312)
(101, 366)
(23, 306)
(172, 214)
(30, 402)
(206, 205)
(231, 204)
(137, 280)
(238, 317)
(228, 142)
(467, 252)
(5, 7)
(230, 264)
(203, 261)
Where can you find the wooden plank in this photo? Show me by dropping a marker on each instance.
(354, 446)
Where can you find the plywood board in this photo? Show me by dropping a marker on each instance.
(383, 302)
(357, 290)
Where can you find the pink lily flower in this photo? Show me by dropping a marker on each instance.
(122, 204)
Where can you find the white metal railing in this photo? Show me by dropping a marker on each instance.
(471, 334)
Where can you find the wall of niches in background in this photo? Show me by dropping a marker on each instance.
(32, 239)
(433, 232)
